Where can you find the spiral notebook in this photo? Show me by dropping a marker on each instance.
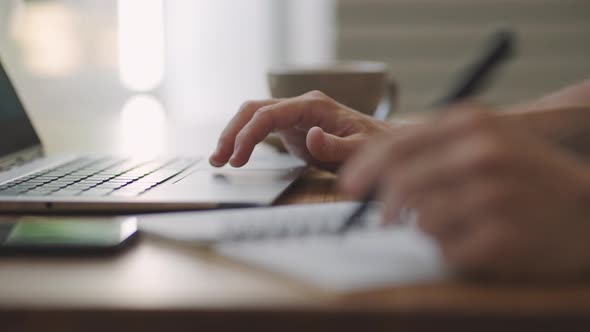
(299, 242)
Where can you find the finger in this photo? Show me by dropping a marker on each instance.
(459, 161)
(326, 147)
(391, 202)
(360, 173)
(303, 112)
(413, 180)
(374, 160)
(441, 217)
(295, 143)
(225, 145)
(466, 203)
(483, 249)
(379, 157)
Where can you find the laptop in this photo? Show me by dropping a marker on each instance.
(31, 181)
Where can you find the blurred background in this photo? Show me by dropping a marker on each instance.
(139, 65)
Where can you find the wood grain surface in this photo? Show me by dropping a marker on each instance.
(157, 285)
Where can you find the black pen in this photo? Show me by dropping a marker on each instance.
(472, 82)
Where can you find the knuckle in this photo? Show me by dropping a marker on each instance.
(317, 97)
(240, 136)
(248, 105)
(261, 112)
(264, 114)
(316, 94)
(488, 153)
(243, 137)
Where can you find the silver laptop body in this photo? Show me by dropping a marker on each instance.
(30, 181)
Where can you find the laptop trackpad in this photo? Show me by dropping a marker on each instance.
(229, 185)
(240, 177)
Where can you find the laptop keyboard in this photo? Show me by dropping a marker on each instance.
(97, 177)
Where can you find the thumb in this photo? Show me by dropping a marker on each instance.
(329, 148)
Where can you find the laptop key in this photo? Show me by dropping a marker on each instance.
(160, 175)
(133, 190)
(47, 178)
(22, 187)
(109, 186)
(36, 192)
(66, 192)
(36, 181)
(79, 186)
(90, 183)
(61, 182)
(49, 188)
(118, 181)
(72, 178)
(10, 192)
(120, 193)
(125, 178)
(99, 177)
(57, 174)
(96, 192)
(82, 173)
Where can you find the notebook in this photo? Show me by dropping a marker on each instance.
(298, 242)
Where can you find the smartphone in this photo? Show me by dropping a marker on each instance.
(65, 235)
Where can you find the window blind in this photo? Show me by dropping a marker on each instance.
(426, 42)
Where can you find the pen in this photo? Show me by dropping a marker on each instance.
(500, 48)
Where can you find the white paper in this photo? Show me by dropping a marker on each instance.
(369, 258)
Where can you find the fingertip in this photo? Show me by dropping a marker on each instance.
(215, 161)
(237, 161)
(220, 156)
(218, 159)
(234, 162)
(331, 148)
(315, 133)
(315, 141)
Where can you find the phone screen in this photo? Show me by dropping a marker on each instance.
(65, 232)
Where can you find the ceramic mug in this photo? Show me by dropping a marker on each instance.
(361, 85)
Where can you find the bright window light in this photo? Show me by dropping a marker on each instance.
(143, 127)
(48, 36)
(141, 43)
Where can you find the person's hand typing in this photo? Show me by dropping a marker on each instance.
(312, 127)
(499, 200)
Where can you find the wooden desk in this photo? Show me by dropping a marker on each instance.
(157, 285)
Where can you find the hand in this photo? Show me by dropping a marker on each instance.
(312, 127)
(499, 200)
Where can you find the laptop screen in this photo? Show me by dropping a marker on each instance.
(16, 130)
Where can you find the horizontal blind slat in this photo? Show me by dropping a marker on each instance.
(425, 42)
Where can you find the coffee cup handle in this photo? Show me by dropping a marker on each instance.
(390, 102)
